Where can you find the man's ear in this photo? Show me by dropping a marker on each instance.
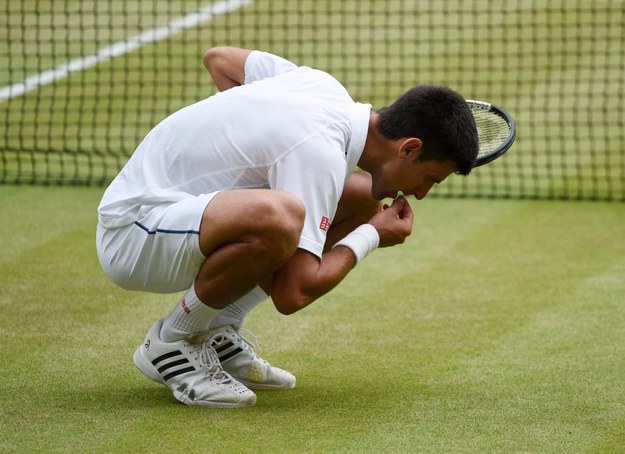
(410, 148)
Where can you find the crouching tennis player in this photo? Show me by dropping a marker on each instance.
(254, 193)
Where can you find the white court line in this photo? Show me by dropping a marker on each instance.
(120, 48)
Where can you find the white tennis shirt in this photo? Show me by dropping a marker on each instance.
(290, 128)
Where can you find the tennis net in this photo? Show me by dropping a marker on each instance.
(83, 81)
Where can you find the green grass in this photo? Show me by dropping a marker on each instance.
(498, 327)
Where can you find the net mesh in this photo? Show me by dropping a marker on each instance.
(83, 81)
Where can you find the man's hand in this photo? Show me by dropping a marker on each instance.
(394, 223)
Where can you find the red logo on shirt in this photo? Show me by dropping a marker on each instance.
(325, 223)
(183, 303)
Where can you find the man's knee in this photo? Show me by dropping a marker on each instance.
(281, 219)
(258, 217)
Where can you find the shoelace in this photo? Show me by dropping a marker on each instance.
(209, 358)
(254, 345)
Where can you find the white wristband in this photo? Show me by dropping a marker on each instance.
(362, 241)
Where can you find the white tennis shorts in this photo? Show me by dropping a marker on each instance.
(160, 251)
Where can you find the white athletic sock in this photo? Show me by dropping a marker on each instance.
(189, 317)
(234, 314)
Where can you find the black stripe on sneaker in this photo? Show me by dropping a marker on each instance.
(230, 354)
(223, 347)
(178, 372)
(164, 367)
(171, 354)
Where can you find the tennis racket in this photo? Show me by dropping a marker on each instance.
(495, 128)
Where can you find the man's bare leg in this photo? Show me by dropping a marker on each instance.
(245, 235)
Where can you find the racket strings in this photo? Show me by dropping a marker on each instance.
(493, 130)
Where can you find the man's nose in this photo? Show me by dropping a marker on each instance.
(421, 192)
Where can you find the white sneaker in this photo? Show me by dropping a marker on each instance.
(240, 360)
(192, 371)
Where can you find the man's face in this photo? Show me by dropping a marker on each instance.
(414, 177)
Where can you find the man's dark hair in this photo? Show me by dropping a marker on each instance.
(438, 116)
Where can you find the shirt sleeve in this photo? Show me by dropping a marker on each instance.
(260, 65)
(315, 173)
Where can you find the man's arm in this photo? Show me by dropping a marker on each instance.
(226, 65)
(304, 278)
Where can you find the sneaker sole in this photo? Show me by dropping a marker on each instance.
(266, 387)
(249, 402)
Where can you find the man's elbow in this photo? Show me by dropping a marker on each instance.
(212, 57)
(291, 304)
